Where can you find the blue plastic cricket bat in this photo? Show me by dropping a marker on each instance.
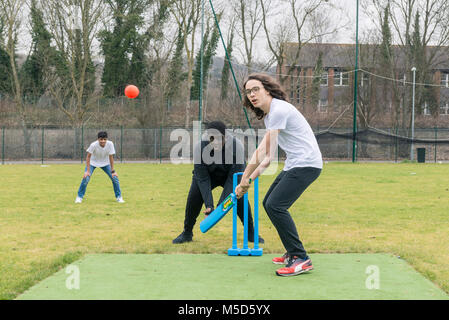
(216, 215)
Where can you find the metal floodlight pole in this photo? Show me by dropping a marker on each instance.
(413, 114)
(200, 102)
(354, 124)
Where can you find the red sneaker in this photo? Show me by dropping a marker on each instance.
(281, 260)
(295, 266)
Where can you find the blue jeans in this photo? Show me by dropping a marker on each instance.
(107, 170)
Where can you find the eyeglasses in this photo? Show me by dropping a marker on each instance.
(253, 90)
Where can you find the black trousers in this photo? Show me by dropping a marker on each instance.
(285, 190)
(195, 203)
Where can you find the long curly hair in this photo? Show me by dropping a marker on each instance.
(269, 84)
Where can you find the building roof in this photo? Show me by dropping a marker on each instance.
(335, 55)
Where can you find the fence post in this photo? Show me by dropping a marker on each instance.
(42, 147)
(390, 147)
(349, 148)
(82, 143)
(160, 144)
(121, 144)
(155, 143)
(436, 133)
(396, 147)
(3, 145)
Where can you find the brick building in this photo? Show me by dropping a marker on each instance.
(334, 89)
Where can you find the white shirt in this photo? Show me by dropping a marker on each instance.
(100, 156)
(295, 137)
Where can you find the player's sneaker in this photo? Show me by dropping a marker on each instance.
(281, 260)
(183, 237)
(295, 266)
(120, 200)
(78, 200)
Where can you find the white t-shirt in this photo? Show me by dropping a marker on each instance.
(295, 137)
(100, 156)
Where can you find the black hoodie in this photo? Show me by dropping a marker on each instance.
(232, 161)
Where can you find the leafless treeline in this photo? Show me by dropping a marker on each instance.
(258, 32)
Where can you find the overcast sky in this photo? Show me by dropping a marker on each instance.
(346, 35)
(365, 22)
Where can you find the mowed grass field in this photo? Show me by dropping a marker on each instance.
(401, 209)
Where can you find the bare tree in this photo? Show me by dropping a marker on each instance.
(249, 22)
(421, 29)
(74, 25)
(369, 90)
(11, 19)
(187, 14)
(159, 51)
(434, 14)
(296, 27)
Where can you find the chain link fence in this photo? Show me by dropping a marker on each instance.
(155, 144)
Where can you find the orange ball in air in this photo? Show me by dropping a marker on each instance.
(131, 91)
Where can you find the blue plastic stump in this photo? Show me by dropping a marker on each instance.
(245, 251)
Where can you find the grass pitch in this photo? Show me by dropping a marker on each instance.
(219, 277)
(399, 209)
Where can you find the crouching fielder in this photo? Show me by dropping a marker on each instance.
(100, 154)
(287, 127)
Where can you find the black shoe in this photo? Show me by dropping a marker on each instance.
(183, 237)
(251, 238)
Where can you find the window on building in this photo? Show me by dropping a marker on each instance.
(324, 78)
(402, 77)
(426, 109)
(444, 108)
(364, 80)
(445, 79)
(341, 78)
(298, 91)
(322, 105)
(292, 88)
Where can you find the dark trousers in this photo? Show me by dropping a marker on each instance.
(285, 190)
(195, 203)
